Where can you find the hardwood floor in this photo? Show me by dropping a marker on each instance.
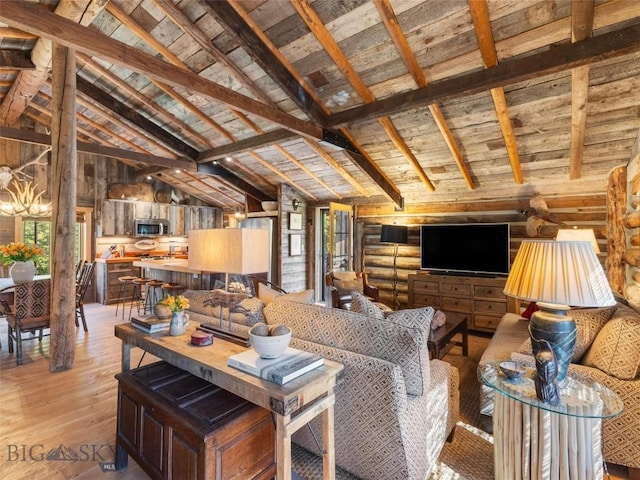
(72, 412)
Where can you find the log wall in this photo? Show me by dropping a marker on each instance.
(579, 211)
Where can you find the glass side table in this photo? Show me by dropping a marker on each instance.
(535, 440)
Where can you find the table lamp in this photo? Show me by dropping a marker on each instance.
(557, 275)
(394, 234)
(229, 250)
(579, 235)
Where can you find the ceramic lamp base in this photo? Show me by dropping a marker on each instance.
(551, 323)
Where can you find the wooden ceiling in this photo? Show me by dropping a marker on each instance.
(357, 101)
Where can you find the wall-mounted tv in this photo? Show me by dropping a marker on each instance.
(477, 248)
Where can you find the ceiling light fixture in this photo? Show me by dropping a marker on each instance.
(178, 171)
(25, 202)
(228, 159)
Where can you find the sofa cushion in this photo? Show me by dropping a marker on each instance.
(589, 321)
(361, 304)
(615, 349)
(403, 345)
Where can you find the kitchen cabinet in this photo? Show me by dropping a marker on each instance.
(117, 216)
(107, 274)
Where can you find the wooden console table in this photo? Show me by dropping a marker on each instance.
(294, 404)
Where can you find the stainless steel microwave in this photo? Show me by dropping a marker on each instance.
(150, 227)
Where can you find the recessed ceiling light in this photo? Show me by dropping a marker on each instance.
(228, 159)
(148, 177)
(215, 162)
(178, 171)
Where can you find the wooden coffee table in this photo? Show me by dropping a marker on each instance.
(441, 339)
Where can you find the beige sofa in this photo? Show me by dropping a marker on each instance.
(394, 407)
(607, 351)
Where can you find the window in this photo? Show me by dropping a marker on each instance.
(38, 232)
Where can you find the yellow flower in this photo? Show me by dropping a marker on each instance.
(175, 304)
(19, 252)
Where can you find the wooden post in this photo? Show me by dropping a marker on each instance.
(63, 182)
(616, 240)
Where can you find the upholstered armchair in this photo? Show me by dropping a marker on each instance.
(341, 284)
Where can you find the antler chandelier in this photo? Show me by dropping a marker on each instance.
(25, 202)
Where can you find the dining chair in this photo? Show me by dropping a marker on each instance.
(31, 313)
(84, 281)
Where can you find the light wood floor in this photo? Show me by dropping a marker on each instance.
(41, 411)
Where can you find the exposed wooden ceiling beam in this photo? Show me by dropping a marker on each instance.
(362, 158)
(336, 166)
(282, 175)
(143, 99)
(131, 115)
(317, 27)
(231, 18)
(219, 171)
(29, 136)
(28, 82)
(402, 45)
(15, 60)
(482, 23)
(513, 70)
(264, 140)
(43, 23)
(582, 12)
(7, 32)
(188, 27)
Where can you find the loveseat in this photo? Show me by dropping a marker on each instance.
(394, 407)
(607, 351)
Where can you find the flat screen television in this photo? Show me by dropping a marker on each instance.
(476, 248)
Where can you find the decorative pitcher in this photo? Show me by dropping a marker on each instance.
(179, 323)
(22, 272)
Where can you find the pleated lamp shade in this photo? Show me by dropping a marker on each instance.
(559, 272)
(578, 234)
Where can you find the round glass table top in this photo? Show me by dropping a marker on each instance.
(579, 397)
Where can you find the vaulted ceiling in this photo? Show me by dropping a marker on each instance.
(402, 101)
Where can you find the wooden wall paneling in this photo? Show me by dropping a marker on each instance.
(583, 212)
(294, 270)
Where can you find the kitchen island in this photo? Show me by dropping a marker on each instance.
(176, 270)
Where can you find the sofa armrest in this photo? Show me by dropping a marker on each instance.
(371, 292)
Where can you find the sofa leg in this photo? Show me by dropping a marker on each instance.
(634, 473)
(451, 435)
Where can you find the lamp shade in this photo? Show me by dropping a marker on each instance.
(558, 272)
(578, 235)
(394, 234)
(229, 250)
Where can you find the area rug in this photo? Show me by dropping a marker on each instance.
(468, 457)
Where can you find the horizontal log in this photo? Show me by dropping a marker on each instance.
(632, 256)
(631, 219)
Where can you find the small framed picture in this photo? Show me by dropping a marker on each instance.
(295, 244)
(295, 221)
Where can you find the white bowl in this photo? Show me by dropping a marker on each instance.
(269, 206)
(271, 346)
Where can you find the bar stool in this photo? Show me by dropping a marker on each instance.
(136, 296)
(170, 288)
(152, 297)
(124, 281)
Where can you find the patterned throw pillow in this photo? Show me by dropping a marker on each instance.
(345, 287)
(615, 350)
(413, 318)
(589, 321)
(361, 304)
(252, 308)
(349, 275)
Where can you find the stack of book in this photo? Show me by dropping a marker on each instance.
(291, 364)
(151, 324)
